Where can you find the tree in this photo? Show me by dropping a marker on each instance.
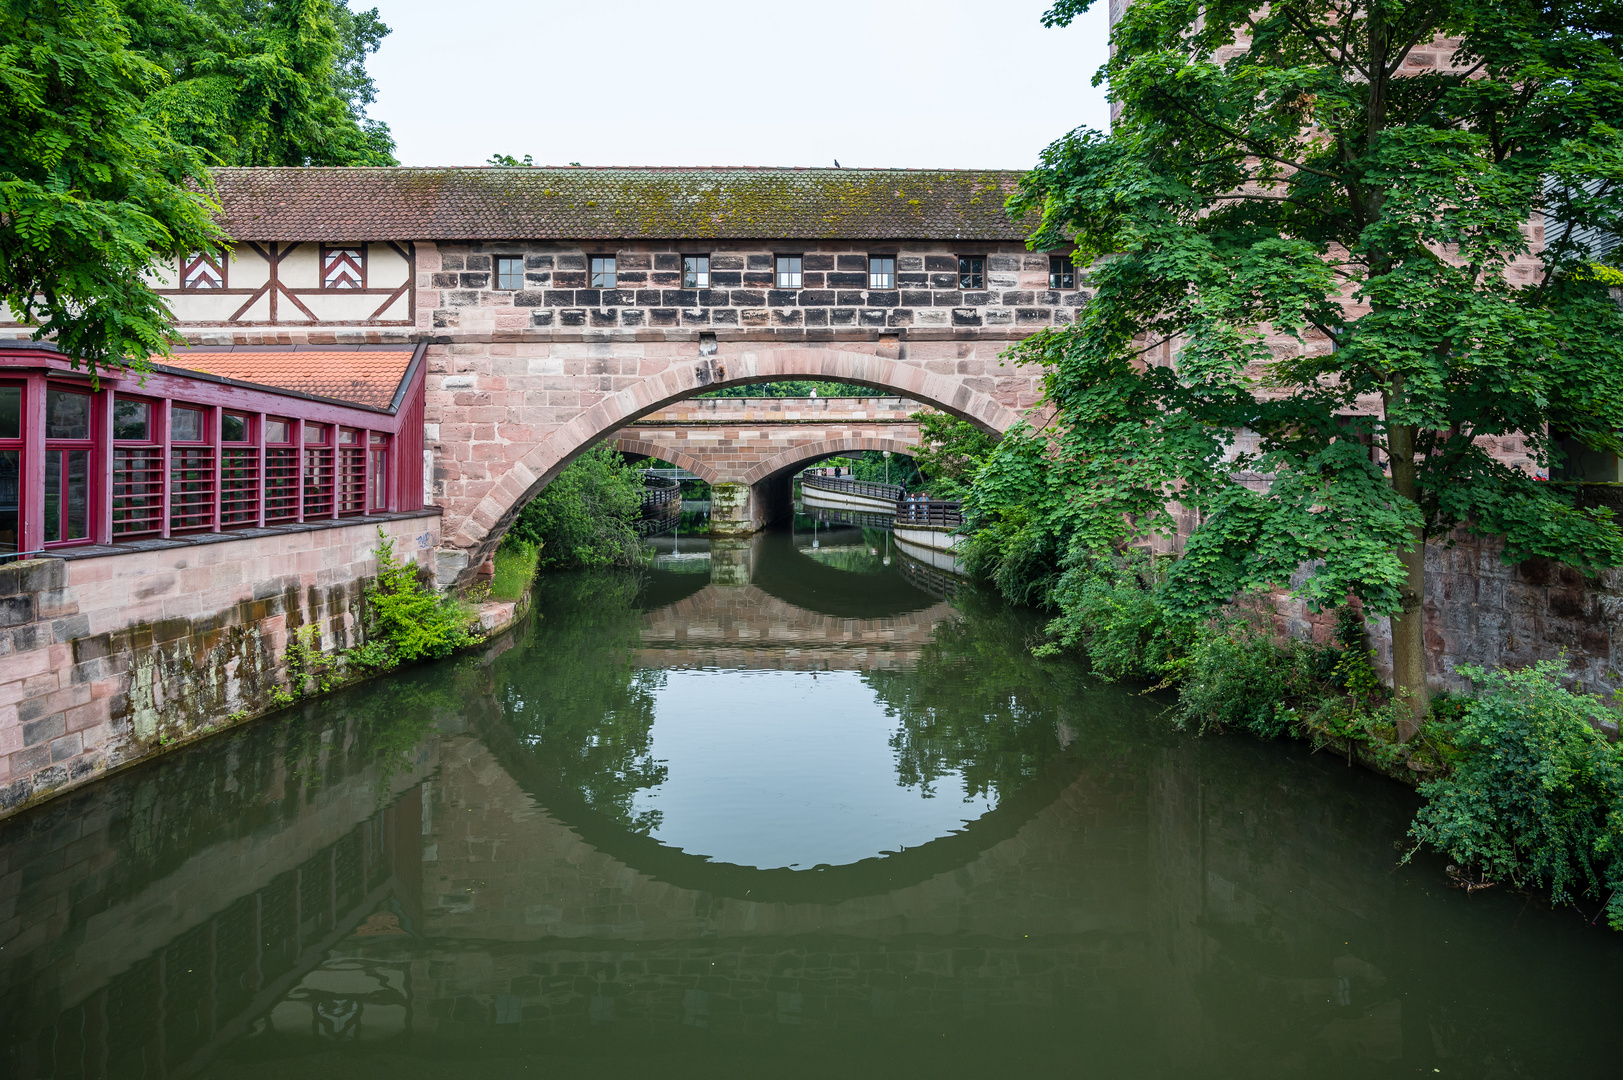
(587, 517)
(93, 191)
(1332, 219)
(265, 82)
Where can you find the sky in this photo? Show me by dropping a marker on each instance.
(870, 83)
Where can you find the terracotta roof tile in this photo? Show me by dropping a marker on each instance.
(360, 204)
(363, 377)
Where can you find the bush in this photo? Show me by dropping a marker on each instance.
(414, 623)
(1536, 797)
(587, 517)
(515, 566)
(1109, 609)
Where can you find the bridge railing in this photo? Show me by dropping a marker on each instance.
(872, 488)
(930, 513)
(659, 490)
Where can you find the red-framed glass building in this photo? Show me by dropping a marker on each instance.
(218, 440)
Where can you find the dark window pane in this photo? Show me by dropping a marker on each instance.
(789, 271)
(186, 425)
(53, 496)
(315, 434)
(1061, 274)
(10, 497)
(233, 428)
(11, 412)
(277, 431)
(695, 271)
(76, 499)
(881, 272)
(509, 273)
(67, 415)
(971, 273)
(132, 420)
(602, 272)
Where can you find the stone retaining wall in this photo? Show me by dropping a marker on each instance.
(111, 658)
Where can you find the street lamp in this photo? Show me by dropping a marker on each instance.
(886, 454)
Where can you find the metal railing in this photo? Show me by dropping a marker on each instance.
(930, 513)
(871, 488)
(659, 490)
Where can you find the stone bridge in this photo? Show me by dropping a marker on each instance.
(747, 449)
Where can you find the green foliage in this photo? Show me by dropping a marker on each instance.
(265, 82)
(1369, 215)
(509, 161)
(1537, 796)
(93, 189)
(413, 622)
(1109, 608)
(796, 388)
(586, 518)
(951, 450)
(871, 465)
(515, 566)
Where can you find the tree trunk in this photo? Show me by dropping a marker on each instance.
(1408, 623)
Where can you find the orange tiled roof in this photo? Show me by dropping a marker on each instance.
(357, 377)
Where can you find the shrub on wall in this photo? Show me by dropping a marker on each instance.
(408, 618)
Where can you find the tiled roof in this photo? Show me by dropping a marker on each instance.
(359, 204)
(357, 377)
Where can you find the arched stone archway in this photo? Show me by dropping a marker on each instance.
(474, 530)
(826, 448)
(681, 459)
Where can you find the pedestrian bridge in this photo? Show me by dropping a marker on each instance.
(748, 449)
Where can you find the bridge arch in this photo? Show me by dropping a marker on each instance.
(679, 458)
(482, 529)
(827, 448)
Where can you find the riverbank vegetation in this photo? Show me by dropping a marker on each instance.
(587, 517)
(1319, 334)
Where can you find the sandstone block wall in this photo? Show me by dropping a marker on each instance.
(455, 289)
(108, 659)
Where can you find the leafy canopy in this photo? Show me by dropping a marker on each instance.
(93, 190)
(1330, 228)
(587, 517)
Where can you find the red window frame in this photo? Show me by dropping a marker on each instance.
(12, 501)
(61, 450)
(138, 469)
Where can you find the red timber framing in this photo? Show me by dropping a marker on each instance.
(183, 452)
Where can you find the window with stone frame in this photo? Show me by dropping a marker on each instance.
(971, 272)
(695, 271)
(602, 272)
(202, 270)
(789, 272)
(343, 267)
(881, 271)
(509, 272)
(1061, 274)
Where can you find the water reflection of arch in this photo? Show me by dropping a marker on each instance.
(795, 578)
(726, 625)
(871, 877)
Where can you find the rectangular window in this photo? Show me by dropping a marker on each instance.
(602, 276)
(509, 272)
(11, 412)
(233, 428)
(377, 475)
(971, 272)
(67, 495)
(10, 500)
(201, 270)
(881, 271)
(186, 425)
(1061, 274)
(788, 272)
(343, 268)
(278, 431)
(132, 420)
(315, 434)
(67, 415)
(695, 271)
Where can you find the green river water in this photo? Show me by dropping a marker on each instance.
(789, 808)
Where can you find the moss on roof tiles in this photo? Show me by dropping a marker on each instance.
(589, 204)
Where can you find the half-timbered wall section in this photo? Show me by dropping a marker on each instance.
(336, 283)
